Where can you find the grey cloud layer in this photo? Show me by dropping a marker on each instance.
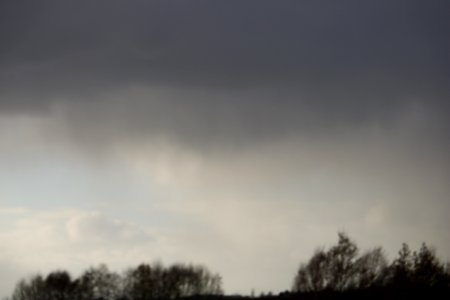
(213, 43)
(214, 69)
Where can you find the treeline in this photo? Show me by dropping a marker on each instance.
(340, 272)
(143, 282)
(342, 268)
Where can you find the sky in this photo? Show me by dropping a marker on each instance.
(241, 135)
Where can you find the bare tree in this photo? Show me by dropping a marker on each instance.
(369, 269)
(341, 258)
(31, 289)
(98, 283)
(157, 282)
(313, 276)
(340, 268)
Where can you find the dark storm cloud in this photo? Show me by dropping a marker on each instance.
(293, 116)
(253, 64)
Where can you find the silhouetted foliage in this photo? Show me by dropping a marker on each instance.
(59, 286)
(140, 283)
(402, 268)
(369, 269)
(32, 289)
(313, 276)
(98, 283)
(428, 270)
(341, 260)
(340, 269)
(339, 272)
(156, 282)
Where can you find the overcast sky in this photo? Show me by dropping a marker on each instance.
(237, 134)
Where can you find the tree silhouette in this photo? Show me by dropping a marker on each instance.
(340, 269)
(335, 269)
(32, 289)
(341, 258)
(98, 283)
(156, 282)
(428, 270)
(402, 268)
(369, 269)
(59, 286)
(335, 273)
(141, 283)
(313, 276)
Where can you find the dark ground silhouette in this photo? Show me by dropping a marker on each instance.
(340, 272)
